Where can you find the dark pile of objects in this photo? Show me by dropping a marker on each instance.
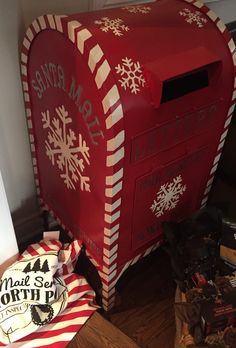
(202, 251)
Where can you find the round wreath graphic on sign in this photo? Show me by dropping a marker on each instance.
(41, 314)
(62, 150)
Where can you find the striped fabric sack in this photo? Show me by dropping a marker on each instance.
(42, 303)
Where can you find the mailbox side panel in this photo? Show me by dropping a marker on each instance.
(76, 129)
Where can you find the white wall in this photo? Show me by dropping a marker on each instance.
(34, 8)
(15, 160)
(225, 9)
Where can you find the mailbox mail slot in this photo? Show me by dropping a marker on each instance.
(128, 110)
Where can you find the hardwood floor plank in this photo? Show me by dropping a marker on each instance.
(145, 311)
(100, 333)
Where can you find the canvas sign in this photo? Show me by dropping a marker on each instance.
(31, 292)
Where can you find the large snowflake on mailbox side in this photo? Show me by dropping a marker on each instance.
(168, 196)
(62, 150)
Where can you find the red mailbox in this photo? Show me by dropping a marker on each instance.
(128, 110)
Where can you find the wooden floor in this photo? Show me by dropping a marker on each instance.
(144, 311)
(100, 333)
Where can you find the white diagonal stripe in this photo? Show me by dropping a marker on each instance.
(221, 26)
(212, 15)
(234, 95)
(32, 147)
(111, 218)
(23, 70)
(109, 260)
(109, 232)
(95, 55)
(110, 252)
(35, 26)
(231, 45)
(204, 200)
(26, 96)
(114, 143)
(42, 22)
(25, 86)
(82, 36)
(111, 207)
(59, 23)
(102, 73)
(110, 99)
(213, 169)
(148, 251)
(110, 286)
(51, 21)
(210, 181)
(108, 293)
(109, 277)
(28, 112)
(135, 260)
(221, 145)
(110, 241)
(26, 43)
(115, 157)
(234, 58)
(227, 122)
(114, 117)
(108, 304)
(207, 190)
(109, 270)
(124, 269)
(29, 34)
(24, 58)
(111, 192)
(223, 135)
(111, 180)
(71, 26)
(216, 160)
(198, 4)
(231, 110)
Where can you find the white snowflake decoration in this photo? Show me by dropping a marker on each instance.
(193, 17)
(61, 149)
(131, 74)
(115, 25)
(137, 9)
(168, 196)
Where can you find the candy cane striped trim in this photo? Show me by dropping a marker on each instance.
(231, 46)
(113, 114)
(37, 25)
(110, 280)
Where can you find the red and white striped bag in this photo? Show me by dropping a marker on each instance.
(42, 303)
